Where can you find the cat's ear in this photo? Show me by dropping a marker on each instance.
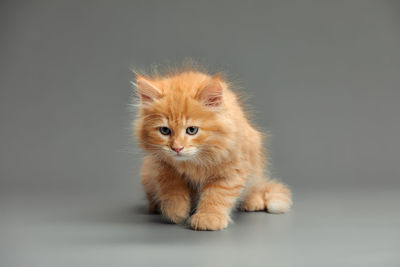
(147, 91)
(211, 95)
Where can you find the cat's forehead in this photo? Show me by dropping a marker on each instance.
(181, 107)
(177, 112)
(180, 122)
(185, 112)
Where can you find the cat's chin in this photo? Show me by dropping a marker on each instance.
(181, 158)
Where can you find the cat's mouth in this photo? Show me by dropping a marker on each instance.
(182, 155)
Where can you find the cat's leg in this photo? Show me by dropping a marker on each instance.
(254, 199)
(173, 194)
(217, 199)
(150, 185)
(271, 196)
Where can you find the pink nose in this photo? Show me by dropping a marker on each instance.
(177, 149)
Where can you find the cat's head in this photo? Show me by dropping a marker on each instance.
(182, 117)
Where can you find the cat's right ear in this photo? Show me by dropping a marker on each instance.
(147, 91)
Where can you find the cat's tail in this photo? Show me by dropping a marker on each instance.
(269, 195)
(277, 196)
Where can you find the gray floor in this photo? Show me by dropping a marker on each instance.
(326, 228)
(321, 76)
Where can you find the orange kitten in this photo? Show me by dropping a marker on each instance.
(202, 151)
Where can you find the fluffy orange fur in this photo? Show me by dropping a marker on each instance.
(209, 172)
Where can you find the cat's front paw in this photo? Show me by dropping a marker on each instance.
(175, 210)
(209, 221)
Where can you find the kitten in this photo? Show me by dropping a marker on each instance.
(202, 151)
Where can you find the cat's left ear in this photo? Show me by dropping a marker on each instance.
(147, 90)
(212, 94)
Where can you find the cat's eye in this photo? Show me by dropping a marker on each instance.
(192, 130)
(165, 130)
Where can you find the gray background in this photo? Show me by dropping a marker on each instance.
(322, 76)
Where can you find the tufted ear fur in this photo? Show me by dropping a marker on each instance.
(211, 95)
(148, 92)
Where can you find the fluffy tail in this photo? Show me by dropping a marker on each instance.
(277, 197)
(268, 195)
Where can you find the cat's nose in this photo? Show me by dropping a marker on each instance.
(177, 149)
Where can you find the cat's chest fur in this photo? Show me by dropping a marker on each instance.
(195, 174)
(199, 175)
